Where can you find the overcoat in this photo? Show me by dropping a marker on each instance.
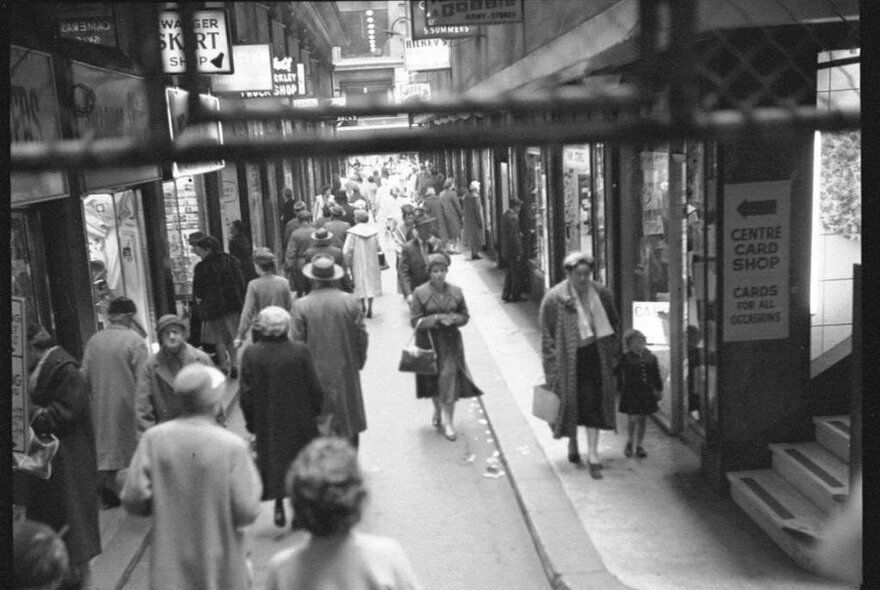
(559, 339)
(511, 236)
(433, 208)
(111, 363)
(472, 211)
(361, 255)
(240, 247)
(338, 227)
(447, 342)
(69, 496)
(281, 400)
(201, 487)
(218, 285)
(295, 256)
(413, 268)
(154, 397)
(331, 323)
(450, 215)
(262, 292)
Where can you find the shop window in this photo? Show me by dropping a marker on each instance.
(534, 218)
(28, 273)
(184, 216)
(117, 254)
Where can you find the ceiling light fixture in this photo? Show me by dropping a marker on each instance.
(369, 13)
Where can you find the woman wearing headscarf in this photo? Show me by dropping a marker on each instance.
(580, 349)
(67, 498)
(361, 253)
(437, 310)
(281, 399)
(265, 290)
(327, 492)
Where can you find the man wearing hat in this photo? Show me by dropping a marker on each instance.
(296, 221)
(322, 243)
(295, 255)
(337, 226)
(331, 323)
(110, 365)
(154, 398)
(265, 290)
(201, 487)
(414, 254)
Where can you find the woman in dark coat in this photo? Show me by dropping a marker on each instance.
(240, 246)
(67, 498)
(281, 399)
(439, 308)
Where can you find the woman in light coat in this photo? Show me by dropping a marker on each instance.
(580, 347)
(361, 253)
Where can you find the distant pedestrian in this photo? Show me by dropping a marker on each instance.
(219, 289)
(111, 364)
(241, 248)
(322, 243)
(331, 323)
(327, 490)
(287, 210)
(39, 557)
(472, 211)
(67, 499)
(337, 226)
(640, 388)
(414, 255)
(580, 348)
(403, 232)
(155, 401)
(300, 212)
(513, 253)
(267, 289)
(433, 209)
(295, 254)
(281, 400)
(450, 216)
(361, 253)
(325, 199)
(438, 308)
(201, 487)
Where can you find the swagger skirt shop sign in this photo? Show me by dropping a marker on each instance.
(757, 240)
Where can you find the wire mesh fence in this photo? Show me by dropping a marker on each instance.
(711, 69)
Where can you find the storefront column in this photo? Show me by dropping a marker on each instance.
(157, 244)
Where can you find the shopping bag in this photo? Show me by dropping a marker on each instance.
(545, 404)
(37, 461)
(422, 361)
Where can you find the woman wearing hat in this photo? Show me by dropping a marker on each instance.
(265, 290)
(281, 399)
(439, 307)
(361, 254)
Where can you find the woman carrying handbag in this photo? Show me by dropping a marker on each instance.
(438, 309)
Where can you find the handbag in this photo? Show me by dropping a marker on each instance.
(383, 264)
(422, 361)
(37, 460)
(545, 403)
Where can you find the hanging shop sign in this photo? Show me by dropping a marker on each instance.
(212, 35)
(426, 54)
(253, 72)
(414, 91)
(111, 104)
(182, 131)
(473, 12)
(757, 239)
(100, 30)
(33, 117)
(288, 79)
(20, 419)
(421, 29)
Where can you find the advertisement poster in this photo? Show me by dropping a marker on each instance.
(473, 12)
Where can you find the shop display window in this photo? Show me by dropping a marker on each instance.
(117, 254)
(183, 216)
(534, 198)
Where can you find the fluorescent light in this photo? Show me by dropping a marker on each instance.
(369, 13)
(369, 19)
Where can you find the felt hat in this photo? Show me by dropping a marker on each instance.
(323, 268)
(298, 206)
(273, 320)
(263, 256)
(322, 237)
(198, 385)
(337, 211)
(120, 306)
(168, 320)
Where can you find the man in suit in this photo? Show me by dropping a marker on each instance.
(414, 255)
(513, 252)
(337, 226)
(295, 255)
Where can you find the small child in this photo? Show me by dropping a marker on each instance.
(638, 380)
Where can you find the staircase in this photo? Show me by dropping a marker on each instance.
(808, 484)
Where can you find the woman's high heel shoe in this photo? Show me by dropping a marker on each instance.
(449, 433)
(280, 519)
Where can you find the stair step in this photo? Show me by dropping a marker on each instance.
(814, 471)
(787, 516)
(833, 433)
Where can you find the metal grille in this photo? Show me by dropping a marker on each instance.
(696, 78)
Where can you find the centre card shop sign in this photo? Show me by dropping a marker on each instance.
(422, 30)
(212, 37)
(182, 131)
(288, 79)
(473, 12)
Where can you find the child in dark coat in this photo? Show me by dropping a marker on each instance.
(640, 388)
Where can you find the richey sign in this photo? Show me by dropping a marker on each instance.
(212, 42)
(757, 240)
